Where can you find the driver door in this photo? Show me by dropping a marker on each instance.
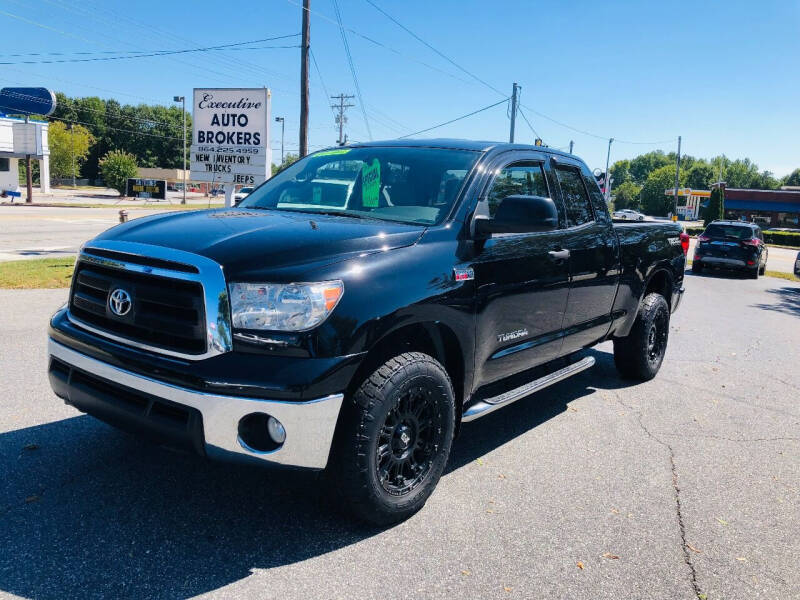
(522, 283)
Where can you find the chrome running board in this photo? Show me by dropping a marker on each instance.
(484, 407)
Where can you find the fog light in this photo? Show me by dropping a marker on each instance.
(276, 430)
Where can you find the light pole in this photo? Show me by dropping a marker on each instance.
(71, 128)
(182, 99)
(608, 177)
(282, 121)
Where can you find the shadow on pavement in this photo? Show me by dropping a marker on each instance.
(89, 511)
(787, 301)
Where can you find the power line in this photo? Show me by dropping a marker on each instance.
(444, 56)
(132, 55)
(352, 67)
(165, 137)
(104, 112)
(494, 89)
(325, 17)
(536, 133)
(475, 112)
(160, 35)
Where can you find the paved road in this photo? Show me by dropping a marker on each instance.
(49, 232)
(686, 485)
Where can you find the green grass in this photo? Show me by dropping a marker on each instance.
(36, 273)
(781, 275)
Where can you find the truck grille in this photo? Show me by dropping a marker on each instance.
(164, 312)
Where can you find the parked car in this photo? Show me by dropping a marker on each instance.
(241, 195)
(797, 265)
(731, 245)
(373, 299)
(627, 214)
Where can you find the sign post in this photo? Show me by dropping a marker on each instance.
(230, 137)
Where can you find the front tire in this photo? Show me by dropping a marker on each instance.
(394, 439)
(639, 355)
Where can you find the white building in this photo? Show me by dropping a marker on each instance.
(19, 139)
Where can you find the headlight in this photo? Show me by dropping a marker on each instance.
(283, 307)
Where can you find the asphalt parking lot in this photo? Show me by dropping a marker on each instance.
(687, 486)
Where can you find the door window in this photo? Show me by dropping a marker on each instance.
(576, 200)
(524, 179)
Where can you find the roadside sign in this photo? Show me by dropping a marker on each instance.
(230, 135)
(27, 101)
(154, 189)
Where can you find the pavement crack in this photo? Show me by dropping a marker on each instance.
(687, 558)
(727, 439)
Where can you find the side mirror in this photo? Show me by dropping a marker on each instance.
(519, 214)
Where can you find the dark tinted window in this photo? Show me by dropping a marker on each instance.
(732, 232)
(525, 179)
(576, 201)
(4, 164)
(598, 202)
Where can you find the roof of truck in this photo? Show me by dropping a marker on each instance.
(456, 144)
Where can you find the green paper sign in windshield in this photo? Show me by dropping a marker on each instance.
(370, 184)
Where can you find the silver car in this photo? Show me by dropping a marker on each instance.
(627, 214)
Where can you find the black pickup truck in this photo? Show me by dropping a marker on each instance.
(359, 306)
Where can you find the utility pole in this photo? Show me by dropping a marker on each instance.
(677, 175)
(304, 50)
(72, 150)
(513, 112)
(282, 121)
(608, 176)
(571, 144)
(182, 99)
(340, 118)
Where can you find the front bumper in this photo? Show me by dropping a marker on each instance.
(205, 422)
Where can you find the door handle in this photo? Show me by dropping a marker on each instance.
(558, 255)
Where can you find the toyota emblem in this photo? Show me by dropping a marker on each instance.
(120, 303)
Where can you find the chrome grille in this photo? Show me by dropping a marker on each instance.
(179, 300)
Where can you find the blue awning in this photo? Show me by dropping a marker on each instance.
(758, 205)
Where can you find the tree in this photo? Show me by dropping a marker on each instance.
(793, 178)
(620, 173)
(644, 164)
(715, 209)
(627, 196)
(699, 176)
(64, 144)
(654, 200)
(287, 160)
(116, 167)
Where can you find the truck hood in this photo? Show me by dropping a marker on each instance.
(247, 240)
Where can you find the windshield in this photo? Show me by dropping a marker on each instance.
(412, 185)
(736, 232)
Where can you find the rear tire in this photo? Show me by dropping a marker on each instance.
(639, 355)
(763, 269)
(697, 267)
(754, 273)
(393, 439)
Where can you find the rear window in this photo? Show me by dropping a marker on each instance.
(731, 232)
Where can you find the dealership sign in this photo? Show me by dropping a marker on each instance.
(230, 136)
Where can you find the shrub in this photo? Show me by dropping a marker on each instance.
(782, 238)
(116, 167)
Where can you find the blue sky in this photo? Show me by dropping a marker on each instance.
(724, 75)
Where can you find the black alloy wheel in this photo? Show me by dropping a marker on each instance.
(408, 441)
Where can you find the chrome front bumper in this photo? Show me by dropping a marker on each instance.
(309, 425)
